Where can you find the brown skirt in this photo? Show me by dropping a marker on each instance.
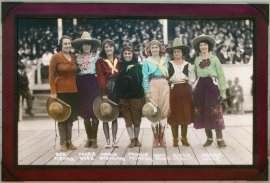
(181, 105)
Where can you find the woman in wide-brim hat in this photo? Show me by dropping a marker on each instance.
(131, 93)
(108, 67)
(155, 84)
(209, 90)
(181, 77)
(62, 80)
(87, 84)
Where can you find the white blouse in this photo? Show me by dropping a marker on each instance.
(178, 75)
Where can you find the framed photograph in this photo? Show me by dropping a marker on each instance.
(31, 148)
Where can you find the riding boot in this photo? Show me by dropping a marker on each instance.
(136, 134)
(62, 134)
(220, 141)
(69, 136)
(94, 131)
(155, 132)
(87, 125)
(174, 129)
(63, 146)
(161, 135)
(184, 139)
(209, 140)
(131, 136)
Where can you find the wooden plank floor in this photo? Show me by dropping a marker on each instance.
(36, 147)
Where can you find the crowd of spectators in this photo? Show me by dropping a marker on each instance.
(234, 37)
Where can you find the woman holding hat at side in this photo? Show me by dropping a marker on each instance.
(209, 91)
(88, 89)
(181, 76)
(62, 80)
(108, 67)
(155, 84)
(131, 94)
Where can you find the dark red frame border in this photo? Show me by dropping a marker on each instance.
(12, 172)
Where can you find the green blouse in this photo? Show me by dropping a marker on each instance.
(213, 70)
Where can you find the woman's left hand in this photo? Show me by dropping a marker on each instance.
(224, 97)
(129, 67)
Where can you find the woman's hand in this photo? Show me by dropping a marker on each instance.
(54, 96)
(81, 67)
(224, 97)
(105, 98)
(129, 67)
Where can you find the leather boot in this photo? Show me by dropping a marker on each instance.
(87, 125)
(185, 142)
(220, 141)
(94, 131)
(132, 143)
(155, 132)
(63, 146)
(184, 135)
(209, 140)
(174, 129)
(136, 134)
(71, 146)
(161, 135)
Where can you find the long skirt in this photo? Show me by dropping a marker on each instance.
(208, 110)
(181, 105)
(72, 100)
(132, 111)
(88, 91)
(160, 93)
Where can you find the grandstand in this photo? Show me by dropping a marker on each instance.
(35, 36)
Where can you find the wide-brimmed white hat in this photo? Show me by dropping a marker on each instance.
(177, 44)
(86, 38)
(202, 37)
(151, 111)
(105, 111)
(58, 109)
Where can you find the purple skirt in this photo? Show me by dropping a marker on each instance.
(88, 91)
(208, 111)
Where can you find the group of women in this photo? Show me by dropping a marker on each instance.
(79, 80)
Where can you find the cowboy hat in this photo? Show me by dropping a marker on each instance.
(177, 44)
(127, 83)
(151, 111)
(86, 38)
(105, 111)
(202, 37)
(58, 109)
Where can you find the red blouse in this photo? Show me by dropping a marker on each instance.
(104, 72)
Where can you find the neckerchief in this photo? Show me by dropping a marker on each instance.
(162, 68)
(112, 66)
(205, 63)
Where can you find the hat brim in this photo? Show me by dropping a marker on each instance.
(58, 117)
(77, 43)
(129, 89)
(96, 106)
(200, 38)
(155, 118)
(184, 48)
